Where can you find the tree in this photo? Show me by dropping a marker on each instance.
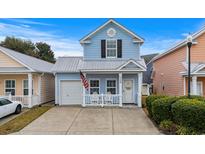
(39, 50)
(45, 52)
(20, 45)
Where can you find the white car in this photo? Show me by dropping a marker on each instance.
(8, 107)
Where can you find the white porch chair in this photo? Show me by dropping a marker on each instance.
(95, 99)
(108, 98)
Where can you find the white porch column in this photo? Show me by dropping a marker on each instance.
(184, 86)
(139, 99)
(39, 88)
(194, 85)
(120, 88)
(84, 92)
(30, 90)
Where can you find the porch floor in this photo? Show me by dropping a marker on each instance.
(84, 121)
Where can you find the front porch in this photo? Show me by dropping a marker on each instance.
(197, 85)
(22, 87)
(113, 89)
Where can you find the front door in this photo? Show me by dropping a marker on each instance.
(128, 91)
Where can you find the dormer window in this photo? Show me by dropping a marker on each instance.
(111, 48)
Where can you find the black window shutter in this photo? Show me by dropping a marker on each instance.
(119, 48)
(103, 44)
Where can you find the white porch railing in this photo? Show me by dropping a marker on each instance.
(102, 100)
(25, 100)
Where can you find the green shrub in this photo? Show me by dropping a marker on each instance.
(200, 98)
(161, 108)
(185, 131)
(168, 126)
(149, 100)
(189, 113)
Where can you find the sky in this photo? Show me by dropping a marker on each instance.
(63, 34)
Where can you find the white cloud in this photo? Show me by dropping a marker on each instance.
(61, 46)
(185, 34)
(27, 21)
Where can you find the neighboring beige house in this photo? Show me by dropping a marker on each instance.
(170, 68)
(25, 78)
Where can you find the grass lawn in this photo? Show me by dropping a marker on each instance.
(22, 120)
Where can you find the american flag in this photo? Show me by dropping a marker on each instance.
(84, 81)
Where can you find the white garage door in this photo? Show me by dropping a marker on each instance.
(71, 92)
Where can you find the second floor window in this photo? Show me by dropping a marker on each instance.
(111, 49)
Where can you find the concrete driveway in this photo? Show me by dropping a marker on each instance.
(87, 121)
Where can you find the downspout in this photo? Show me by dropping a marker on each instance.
(39, 88)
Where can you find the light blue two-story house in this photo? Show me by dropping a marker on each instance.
(112, 65)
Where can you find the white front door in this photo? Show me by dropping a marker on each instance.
(128, 91)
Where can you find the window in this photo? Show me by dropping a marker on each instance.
(25, 87)
(4, 102)
(10, 86)
(111, 48)
(94, 86)
(111, 86)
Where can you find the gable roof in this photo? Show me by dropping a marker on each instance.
(32, 63)
(140, 64)
(195, 68)
(181, 44)
(116, 23)
(149, 57)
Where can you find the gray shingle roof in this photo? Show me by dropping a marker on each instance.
(74, 64)
(35, 64)
(148, 58)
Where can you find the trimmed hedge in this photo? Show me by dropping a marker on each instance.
(168, 126)
(149, 100)
(161, 108)
(189, 113)
(200, 98)
(186, 131)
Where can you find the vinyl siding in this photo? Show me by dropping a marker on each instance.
(167, 72)
(129, 49)
(47, 88)
(198, 50)
(7, 61)
(102, 79)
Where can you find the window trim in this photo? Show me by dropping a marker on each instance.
(94, 87)
(28, 88)
(116, 87)
(10, 88)
(110, 48)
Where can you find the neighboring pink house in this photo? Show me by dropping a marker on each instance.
(170, 68)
